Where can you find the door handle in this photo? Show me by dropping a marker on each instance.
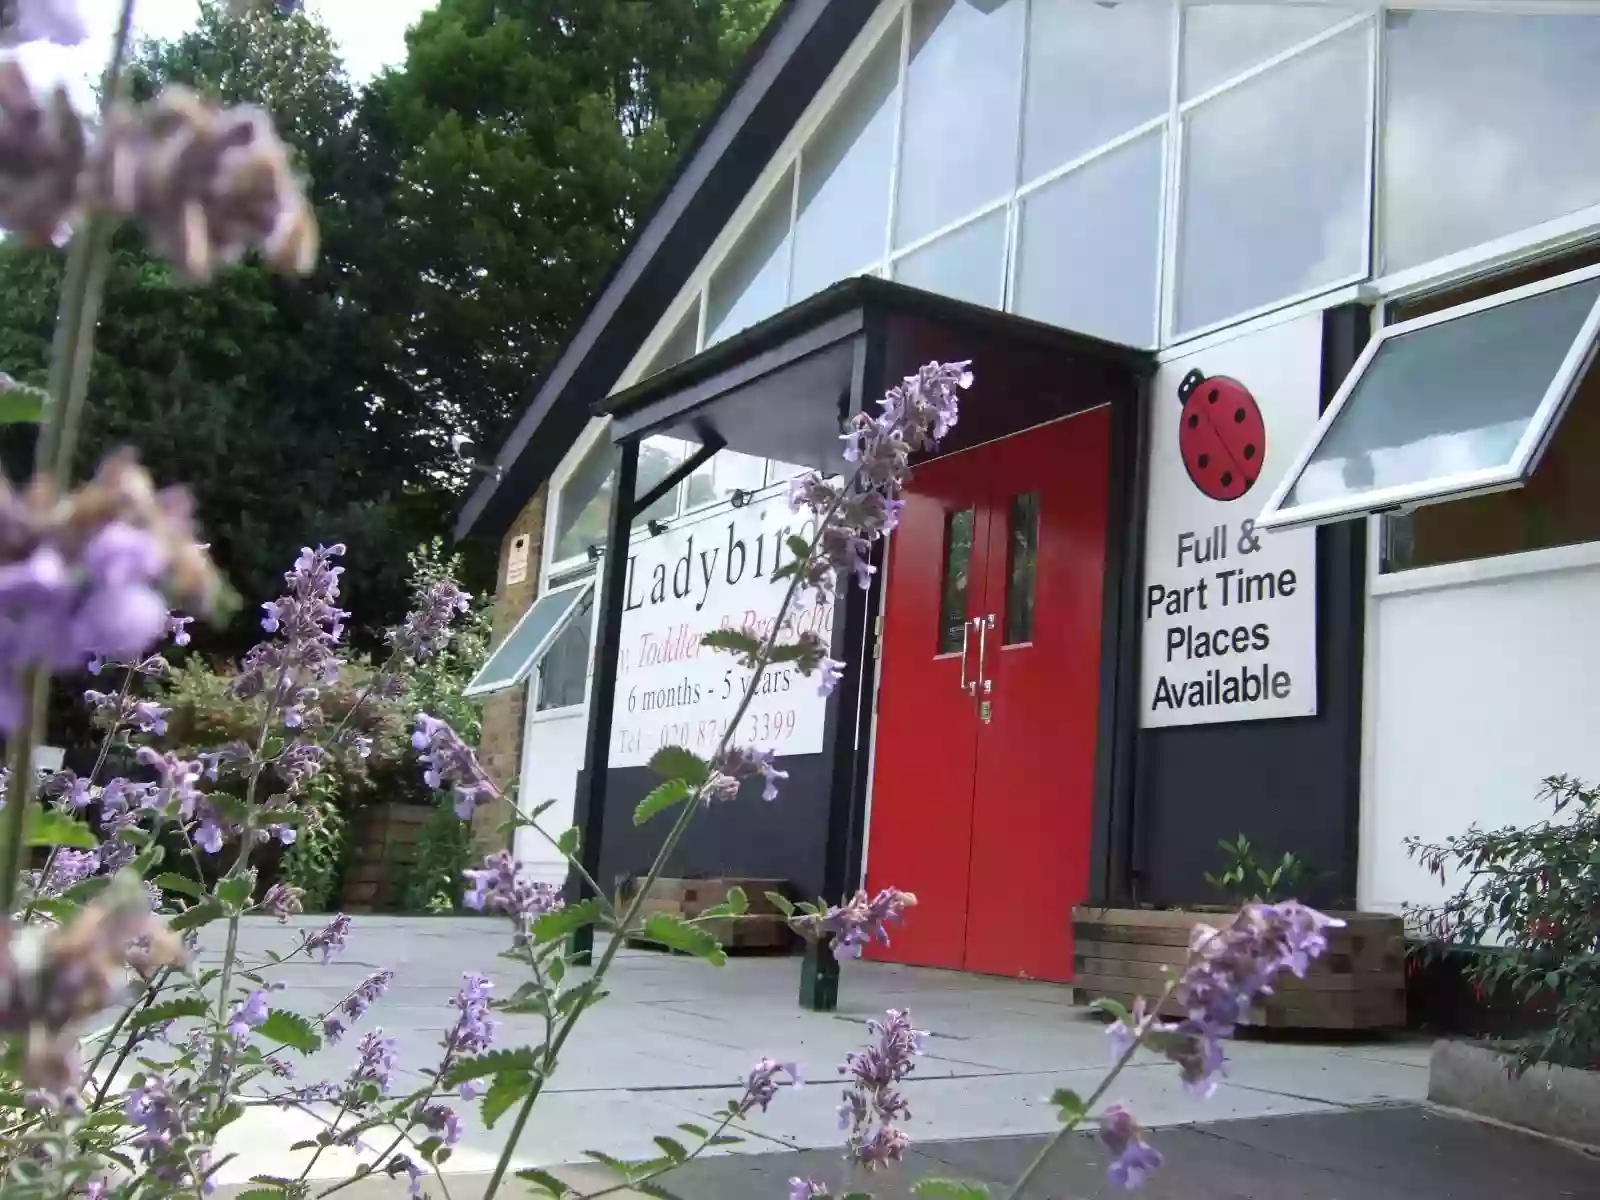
(984, 624)
(967, 689)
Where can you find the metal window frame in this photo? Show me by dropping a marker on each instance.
(500, 682)
(1513, 473)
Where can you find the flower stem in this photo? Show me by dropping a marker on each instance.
(691, 806)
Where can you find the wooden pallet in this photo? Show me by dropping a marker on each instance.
(1359, 983)
(763, 931)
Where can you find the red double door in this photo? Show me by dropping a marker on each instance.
(983, 779)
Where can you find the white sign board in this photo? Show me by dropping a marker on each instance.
(712, 574)
(1229, 612)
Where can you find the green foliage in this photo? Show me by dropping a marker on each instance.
(1246, 878)
(315, 863)
(1527, 909)
(444, 851)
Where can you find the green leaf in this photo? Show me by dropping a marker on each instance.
(781, 902)
(675, 933)
(674, 762)
(492, 1063)
(565, 921)
(949, 1189)
(46, 827)
(725, 1139)
(235, 891)
(672, 1148)
(669, 795)
(22, 403)
(606, 1160)
(292, 1030)
(556, 970)
(695, 1131)
(192, 918)
(167, 881)
(648, 1188)
(738, 901)
(567, 843)
(799, 547)
(736, 641)
(1069, 1105)
(548, 1183)
(1111, 1009)
(168, 1010)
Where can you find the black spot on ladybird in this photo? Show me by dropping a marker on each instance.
(1227, 478)
(1250, 450)
(1211, 396)
(1204, 461)
(1238, 416)
(1194, 421)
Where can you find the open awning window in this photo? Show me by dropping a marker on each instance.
(1451, 404)
(533, 636)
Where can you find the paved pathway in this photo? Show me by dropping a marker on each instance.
(676, 1037)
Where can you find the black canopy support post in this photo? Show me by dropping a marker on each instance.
(591, 800)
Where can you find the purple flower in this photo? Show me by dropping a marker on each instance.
(157, 1116)
(330, 939)
(761, 1088)
(440, 1119)
(178, 629)
(448, 762)
(208, 836)
(426, 630)
(401, 1162)
(1135, 1160)
(332, 1030)
(806, 1189)
(251, 1013)
(871, 1101)
(355, 1005)
(860, 921)
(500, 888)
(66, 868)
(738, 763)
(282, 901)
(308, 624)
(829, 671)
(473, 1031)
(176, 791)
(376, 1062)
(57, 21)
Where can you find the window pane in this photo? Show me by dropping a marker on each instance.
(844, 178)
(1490, 127)
(1447, 399)
(564, 669)
(658, 458)
(1094, 72)
(778, 472)
(953, 585)
(679, 346)
(1022, 557)
(1274, 185)
(965, 264)
(1223, 40)
(1087, 255)
(752, 282)
(717, 479)
(958, 149)
(583, 505)
(510, 662)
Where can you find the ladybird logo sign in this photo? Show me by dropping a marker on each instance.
(1229, 611)
(1221, 435)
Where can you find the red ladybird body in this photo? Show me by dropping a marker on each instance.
(1221, 435)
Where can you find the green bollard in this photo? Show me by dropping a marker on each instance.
(819, 979)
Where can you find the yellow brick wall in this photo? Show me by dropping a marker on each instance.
(500, 748)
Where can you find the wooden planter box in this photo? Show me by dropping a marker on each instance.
(383, 846)
(1358, 983)
(764, 930)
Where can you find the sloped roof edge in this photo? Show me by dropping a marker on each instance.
(791, 59)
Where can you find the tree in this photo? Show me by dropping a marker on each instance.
(525, 140)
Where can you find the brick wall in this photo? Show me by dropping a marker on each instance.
(500, 749)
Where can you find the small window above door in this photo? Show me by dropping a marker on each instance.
(532, 636)
(1451, 404)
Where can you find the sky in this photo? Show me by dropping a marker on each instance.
(370, 34)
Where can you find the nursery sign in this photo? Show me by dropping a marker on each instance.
(1229, 611)
(684, 583)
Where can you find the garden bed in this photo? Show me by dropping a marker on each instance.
(1359, 983)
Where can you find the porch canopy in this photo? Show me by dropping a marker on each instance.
(784, 390)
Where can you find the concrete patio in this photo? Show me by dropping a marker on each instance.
(676, 1036)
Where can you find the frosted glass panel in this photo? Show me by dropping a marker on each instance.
(965, 264)
(1223, 40)
(844, 178)
(1274, 196)
(1094, 73)
(1490, 127)
(963, 90)
(1447, 399)
(1087, 256)
(752, 282)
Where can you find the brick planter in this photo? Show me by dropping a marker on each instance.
(1359, 983)
(762, 931)
(383, 841)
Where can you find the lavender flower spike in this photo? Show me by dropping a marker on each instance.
(807, 1189)
(861, 921)
(871, 1102)
(761, 1088)
(1135, 1159)
(448, 762)
(426, 630)
(330, 939)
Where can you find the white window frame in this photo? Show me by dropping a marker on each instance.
(531, 663)
(598, 430)
(1530, 446)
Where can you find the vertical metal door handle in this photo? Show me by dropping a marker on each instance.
(967, 689)
(984, 624)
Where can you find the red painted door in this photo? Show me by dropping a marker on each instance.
(983, 796)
